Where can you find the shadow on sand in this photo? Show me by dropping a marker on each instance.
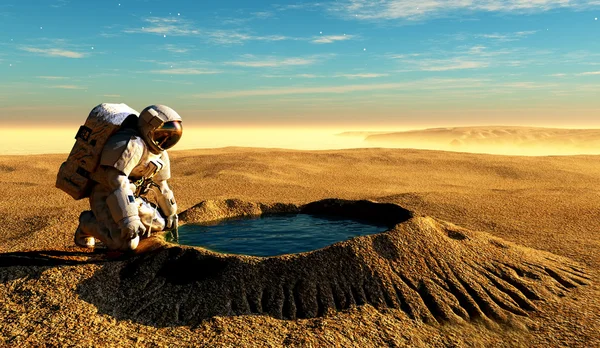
(31, 264)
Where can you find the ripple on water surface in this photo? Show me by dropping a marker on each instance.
(275, 234)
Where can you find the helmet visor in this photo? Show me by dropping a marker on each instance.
(167, 135)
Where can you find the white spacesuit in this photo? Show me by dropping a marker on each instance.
(134, 169)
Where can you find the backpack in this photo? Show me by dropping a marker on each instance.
(75, 174)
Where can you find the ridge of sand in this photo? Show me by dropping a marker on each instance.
(495, 139)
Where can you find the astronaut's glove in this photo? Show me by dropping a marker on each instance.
(131, 227)
(172, 221)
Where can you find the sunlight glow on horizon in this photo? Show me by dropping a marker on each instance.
(57, 140)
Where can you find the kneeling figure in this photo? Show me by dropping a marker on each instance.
(134, 169)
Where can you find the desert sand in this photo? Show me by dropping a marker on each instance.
(515, 140)
(483, 250)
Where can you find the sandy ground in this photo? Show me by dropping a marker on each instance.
(546, 203)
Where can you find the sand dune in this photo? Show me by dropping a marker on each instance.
(532, 220)
(495, 139)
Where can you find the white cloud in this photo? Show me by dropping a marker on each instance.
(314, 76)
(180, 27)
(52, 77)
(252, 61)
(189, 63)
(54, 52)
(60, 3)
(424, 9)
(104, 74)
(262, 14)
(186, 71)
(176, 82)
(175, 49)
(112, 95)
(403, 56)
(330, 38)
(108, 35)
(529, 85)
(236, 37)
(558, 75)
(428, 84)
(67, 87)
(469, 57)
(482, 51)
(587, 73)
(506, 37)
(362, 75)
(452, 64)
(529, 32)
(304, 76)
(477, 50)
(445, 64)
(300, 90)
(165, 26)
(308, 6)
(579, 57)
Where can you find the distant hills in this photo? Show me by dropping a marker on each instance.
(492, 139)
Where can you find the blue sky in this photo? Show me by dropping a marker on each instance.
(346, 62)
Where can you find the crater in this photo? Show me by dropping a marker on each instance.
(428, 270)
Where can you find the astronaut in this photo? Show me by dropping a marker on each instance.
(133, 172)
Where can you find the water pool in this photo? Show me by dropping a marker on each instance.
(272, 235)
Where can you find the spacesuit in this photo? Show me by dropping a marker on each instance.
(133, 172)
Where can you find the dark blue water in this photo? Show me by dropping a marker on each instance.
(275, 234)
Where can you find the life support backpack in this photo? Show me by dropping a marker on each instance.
(75, 174)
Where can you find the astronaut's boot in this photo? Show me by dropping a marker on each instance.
(83, 239)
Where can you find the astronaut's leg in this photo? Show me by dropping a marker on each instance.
(90, 227)
(84, 239)
(99, 224)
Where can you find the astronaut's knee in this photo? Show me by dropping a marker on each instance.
(87, 217)
(130, 244)
(87, 223)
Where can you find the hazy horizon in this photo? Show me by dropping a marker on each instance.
(60, 140)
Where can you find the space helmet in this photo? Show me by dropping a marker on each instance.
(160, 127)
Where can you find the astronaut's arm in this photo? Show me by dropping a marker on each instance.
(121, 203)
(166, 202)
